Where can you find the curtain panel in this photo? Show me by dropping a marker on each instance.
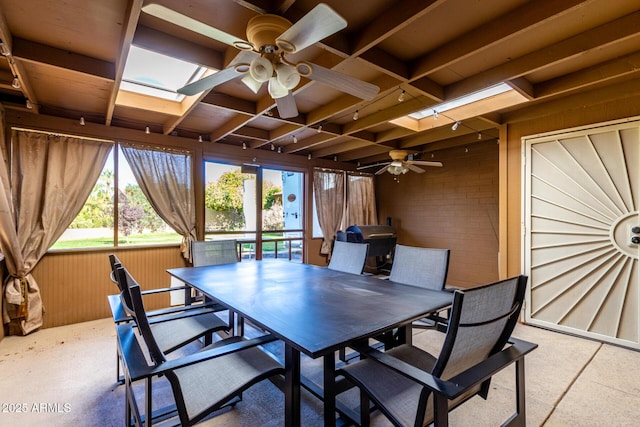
(166, 179)
(328, 190)
(361, 201)
(49, 179)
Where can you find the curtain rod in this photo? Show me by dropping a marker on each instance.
(343, 171)
(88, 138)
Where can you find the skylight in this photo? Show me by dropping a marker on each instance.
(464, 100)
(154, 74)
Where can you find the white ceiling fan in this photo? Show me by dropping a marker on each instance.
(399, 166)
(262, 58)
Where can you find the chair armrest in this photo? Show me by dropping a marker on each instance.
(160, 290)
(460, 383)
(213, 352)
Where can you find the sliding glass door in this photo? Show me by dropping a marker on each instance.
(261, 208)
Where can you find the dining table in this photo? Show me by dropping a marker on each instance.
(314, 311)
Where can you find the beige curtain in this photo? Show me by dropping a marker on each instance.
(166, 178)
(328, 190)
(361, 201)
(51, 177)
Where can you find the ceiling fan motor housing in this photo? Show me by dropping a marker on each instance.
(262, 31)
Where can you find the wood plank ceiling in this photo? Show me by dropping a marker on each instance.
(69, 59)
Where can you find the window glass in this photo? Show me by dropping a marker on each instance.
(138, 223)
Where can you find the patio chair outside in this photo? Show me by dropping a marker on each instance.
(413, 388)
(348, 257)
(210, 379)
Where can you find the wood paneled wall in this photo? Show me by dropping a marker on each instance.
(74, 285)
(453, 207)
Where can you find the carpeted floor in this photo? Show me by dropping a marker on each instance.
(66, 377)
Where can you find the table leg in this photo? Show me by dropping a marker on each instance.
(329, 390)
(292, 386)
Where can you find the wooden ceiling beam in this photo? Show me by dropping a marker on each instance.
(578, 45)
(341, 148)
(505, 27)
(230, 126)
(252, 133)
(16, 67)
(307, 143)
(169, 45)
(619, 67)
(399, 15)
(401, 109)
(26, 50)
(229, 103)
(369, 154)
(132, 14)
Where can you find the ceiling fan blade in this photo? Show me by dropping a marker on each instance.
(191, 24)
(415, 168)
(236, 68)
(342, 82)
(287, 106)
(319, 23)
(383, 170)
(209, 82)
(424, 163)
(375, 165)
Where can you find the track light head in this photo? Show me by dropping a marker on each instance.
(455, 125)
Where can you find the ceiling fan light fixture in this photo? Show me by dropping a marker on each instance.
(287, 76)
(396, 168)
(276, 90)
(261, 69)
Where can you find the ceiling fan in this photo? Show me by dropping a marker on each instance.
(262, 58)
(399, 166)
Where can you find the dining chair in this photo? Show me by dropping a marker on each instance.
(348, 257)
(207, 380)
(412, 387)
(424, 267)
(217, 252)
(175, 327)
(214, 252)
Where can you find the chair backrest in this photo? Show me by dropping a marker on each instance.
(348, 257)
(424, 267)
(481, 321)
(214, 252)
(115, 263)
(137, 311)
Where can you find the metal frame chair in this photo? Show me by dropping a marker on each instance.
(348, 257)
(414, 388)
(202, 382)
(174, 326)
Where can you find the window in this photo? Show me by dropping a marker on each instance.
(137, 222)
(154, 74)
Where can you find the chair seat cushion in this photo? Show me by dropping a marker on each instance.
(221, 378)
(399, 394)
(171, 334)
